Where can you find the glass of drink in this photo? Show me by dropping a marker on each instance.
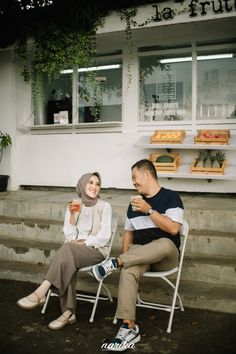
(133, 200)
(75, 205)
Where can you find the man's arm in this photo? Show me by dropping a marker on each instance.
(165, 223)
(127, 239)
(162, 221)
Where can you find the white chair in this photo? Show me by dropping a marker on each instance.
(87, 297)
(174, 284)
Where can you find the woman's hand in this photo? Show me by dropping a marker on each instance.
(74, 206)
(78, 242)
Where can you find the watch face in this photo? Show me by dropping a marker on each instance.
(150, 211)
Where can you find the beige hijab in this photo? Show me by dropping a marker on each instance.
(81, 187)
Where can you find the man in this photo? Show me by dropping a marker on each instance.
(151, 240)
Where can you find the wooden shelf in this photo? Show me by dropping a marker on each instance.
(188, 143)
(184, 170)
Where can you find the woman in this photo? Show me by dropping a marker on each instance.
(87, 233)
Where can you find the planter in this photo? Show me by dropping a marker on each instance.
(3, 182)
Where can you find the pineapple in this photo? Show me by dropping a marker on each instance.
(207, 161)
(200, 159)
(219, 158)
(213, 159)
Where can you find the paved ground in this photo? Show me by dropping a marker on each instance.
(26, 332)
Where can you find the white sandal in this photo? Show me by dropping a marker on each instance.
(28, 304)
(60, 323)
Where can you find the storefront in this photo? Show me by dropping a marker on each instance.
(177, 72)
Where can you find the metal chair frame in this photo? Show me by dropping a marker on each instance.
(87, 297)
(174, 285)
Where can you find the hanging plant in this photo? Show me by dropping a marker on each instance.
(127, 15)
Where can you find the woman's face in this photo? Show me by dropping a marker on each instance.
(93, 187)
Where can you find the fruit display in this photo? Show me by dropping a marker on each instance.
(167, 136)
(209, 162)
(212, 137)
(165, 162)
(165, 158)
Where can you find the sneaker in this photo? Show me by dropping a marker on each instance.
(101, 270)
(125, 339)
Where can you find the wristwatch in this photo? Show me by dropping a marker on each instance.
(150, 212)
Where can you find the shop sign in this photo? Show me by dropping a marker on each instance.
(186, 10)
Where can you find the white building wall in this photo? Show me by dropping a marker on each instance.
(50, 159)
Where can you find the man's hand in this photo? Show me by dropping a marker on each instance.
(140, 205)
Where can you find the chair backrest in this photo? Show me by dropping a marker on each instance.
(113, 232)
(184, 231)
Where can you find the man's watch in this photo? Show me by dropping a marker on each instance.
(150, 212)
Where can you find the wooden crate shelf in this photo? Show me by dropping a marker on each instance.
(167, 136)
(209, 170)
(165, 166)
(216, 136)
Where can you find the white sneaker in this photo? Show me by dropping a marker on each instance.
(125, 339)
(101, 270)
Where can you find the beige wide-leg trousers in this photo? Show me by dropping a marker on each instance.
(62, 273)
(158, 255)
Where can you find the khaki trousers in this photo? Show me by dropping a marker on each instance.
(62, 273)
(157, 255)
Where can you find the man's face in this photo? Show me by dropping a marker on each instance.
(140, 180)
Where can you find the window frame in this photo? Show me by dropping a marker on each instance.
(194, 50)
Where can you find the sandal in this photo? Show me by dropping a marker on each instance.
(28, 304)
(62, 321)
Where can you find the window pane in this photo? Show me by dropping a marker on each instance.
(53, 104)
(216, 86)
(165, 89)
(100, 92)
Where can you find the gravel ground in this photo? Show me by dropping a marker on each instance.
(26, 331)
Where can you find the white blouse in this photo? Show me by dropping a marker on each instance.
(81, 231)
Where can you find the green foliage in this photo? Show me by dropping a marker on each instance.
(5, 141)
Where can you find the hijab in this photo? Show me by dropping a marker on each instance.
(81, 187)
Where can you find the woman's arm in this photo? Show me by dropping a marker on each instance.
(104, 234)
(69, 228)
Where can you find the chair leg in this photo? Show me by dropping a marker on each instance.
(108, 292)
(96, 301)
(46, 301)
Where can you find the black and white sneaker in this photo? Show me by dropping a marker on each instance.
(101, 270)
(125, 339)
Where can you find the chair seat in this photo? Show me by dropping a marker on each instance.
(157, 274)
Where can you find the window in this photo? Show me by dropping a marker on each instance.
(216, 78)
(97, 99)
(190, 85)
(165, 89)
(100, 92)
(54, 104)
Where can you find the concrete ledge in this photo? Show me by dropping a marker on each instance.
(199, 295)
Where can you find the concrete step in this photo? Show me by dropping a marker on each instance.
(207, 242)
(201, 295)
(202, 211)
(47, 230)
(211, 242)
(29, 250)
(213, 269)
(31, 228)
